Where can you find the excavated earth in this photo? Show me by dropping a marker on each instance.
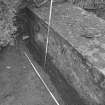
(19, 84)
(75, 61)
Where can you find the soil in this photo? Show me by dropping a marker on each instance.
(19, 84)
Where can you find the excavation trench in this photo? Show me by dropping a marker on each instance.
(37, 51)
(70, 73)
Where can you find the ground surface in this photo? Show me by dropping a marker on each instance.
(19, 85)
